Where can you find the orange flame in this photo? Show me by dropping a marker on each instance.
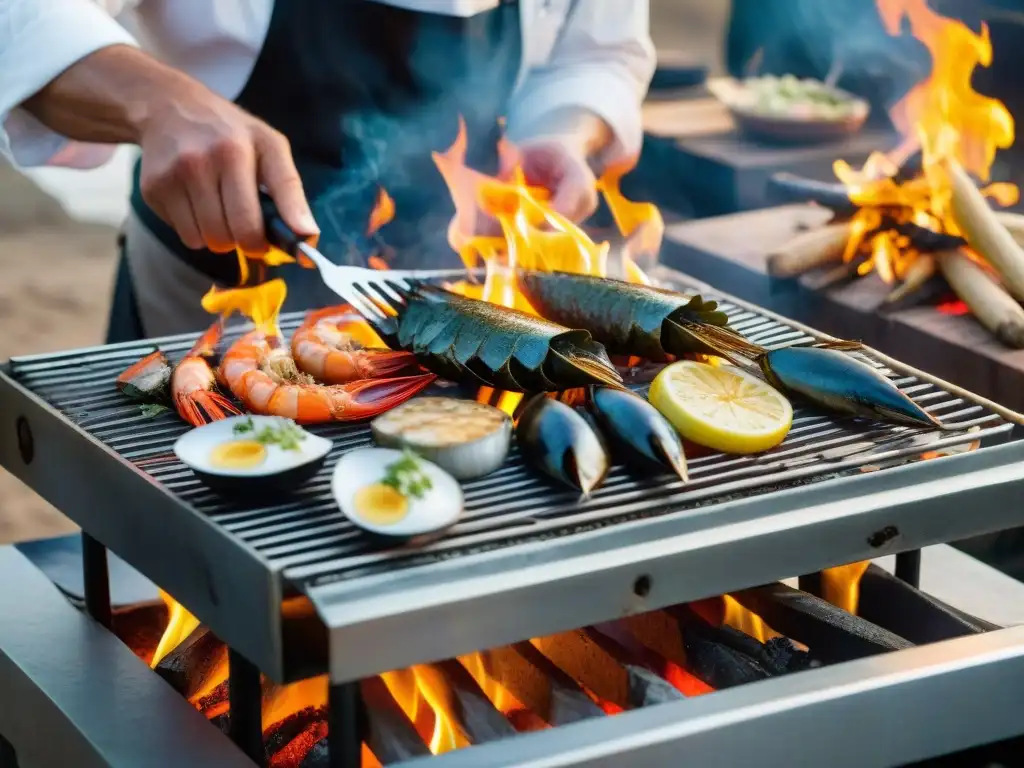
(947, 120)
(747, 622)
(532, 234)
(261, 303)
(383, 211)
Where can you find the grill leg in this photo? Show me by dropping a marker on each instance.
(96, 579)
(908, 567)
(344, 726)
(245, 699)
(810, 583)
(8, 759)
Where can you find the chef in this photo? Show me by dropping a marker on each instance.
(323, 102)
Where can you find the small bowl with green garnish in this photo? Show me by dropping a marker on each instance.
(791, 109)
(395, 495)
(252, 455)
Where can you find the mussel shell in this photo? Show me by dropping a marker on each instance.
(639, 434)
(558, 441)
(836, 381)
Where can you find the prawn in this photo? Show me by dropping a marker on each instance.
(193, 384)
(260, 371)
(336, 346)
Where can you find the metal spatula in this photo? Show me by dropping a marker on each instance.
(365, 289)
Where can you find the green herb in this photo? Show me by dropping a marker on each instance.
(149, 410)
(287, 435)
(406, 476)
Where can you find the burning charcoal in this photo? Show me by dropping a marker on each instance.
(189, 666)
(282, 733)
(525, 721)
(892, 603)
(647, 689)
(832, 634)
(215, 703)
(924, 239)
(618, 642)
(532, 678)
(990, 304)
(474, 712)
(786, 187)
(307, 749)
(390, 734)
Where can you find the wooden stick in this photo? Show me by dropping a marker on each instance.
(983, 231)
(919, 272)
(991, 305)
(808, 250)
(1014, 223)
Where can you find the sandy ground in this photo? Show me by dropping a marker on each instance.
(58, 243)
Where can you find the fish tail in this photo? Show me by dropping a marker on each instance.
(724, 342)
(596, 369)
(839, 345)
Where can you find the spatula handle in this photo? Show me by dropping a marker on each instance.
(278, 233)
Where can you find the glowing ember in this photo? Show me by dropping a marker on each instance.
(944, 118)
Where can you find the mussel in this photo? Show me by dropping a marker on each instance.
(834, 380)
(639, 434)
(558, 441)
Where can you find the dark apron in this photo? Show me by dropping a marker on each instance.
(364, 92)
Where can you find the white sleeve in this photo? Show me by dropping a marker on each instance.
(603, 62)
(39, 39)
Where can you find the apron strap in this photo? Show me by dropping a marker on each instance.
(125, 323)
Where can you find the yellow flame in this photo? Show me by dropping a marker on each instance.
(747, 622)
(841, 585)
(261, 304)
(423, 695)
(180, 624)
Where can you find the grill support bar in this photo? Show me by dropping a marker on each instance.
(245, 698)
(345, 725)
(8, 757)
(908, 567)
(96, 578)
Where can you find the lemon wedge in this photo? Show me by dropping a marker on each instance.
(721, 407)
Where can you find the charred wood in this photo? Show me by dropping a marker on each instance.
(892, 603)
(283, 732)
(474, 712)
(832, 634)
(390, 734)
(189, 667)
(618, 642)
(785, 187)
(540, 684)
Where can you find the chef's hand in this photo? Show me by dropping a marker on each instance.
(202, 157)
(559, 164)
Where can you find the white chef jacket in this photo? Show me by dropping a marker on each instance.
(592, 54)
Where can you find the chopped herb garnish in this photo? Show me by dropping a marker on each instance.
(287, 435)
(150, 410)
(406, 476)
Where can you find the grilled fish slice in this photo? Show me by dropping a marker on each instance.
(481, 343)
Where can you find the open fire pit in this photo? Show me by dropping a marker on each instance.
(309, 645)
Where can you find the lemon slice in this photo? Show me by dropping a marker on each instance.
(721, 407)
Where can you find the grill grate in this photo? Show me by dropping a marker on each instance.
(311, 542)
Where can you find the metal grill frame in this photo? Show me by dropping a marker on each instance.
(436, 609)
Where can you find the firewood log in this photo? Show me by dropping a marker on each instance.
(983, 231)
(991, 304)
(809, 250)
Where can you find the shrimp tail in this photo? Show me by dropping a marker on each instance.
(206, 346)
(381, 363)
(371, 397)
(202, 407)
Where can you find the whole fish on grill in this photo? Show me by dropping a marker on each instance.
(649, 322)
(633, 319)
(476, 342)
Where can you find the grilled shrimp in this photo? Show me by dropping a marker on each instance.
(193, 384)
(261, 372)
(336, 346)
